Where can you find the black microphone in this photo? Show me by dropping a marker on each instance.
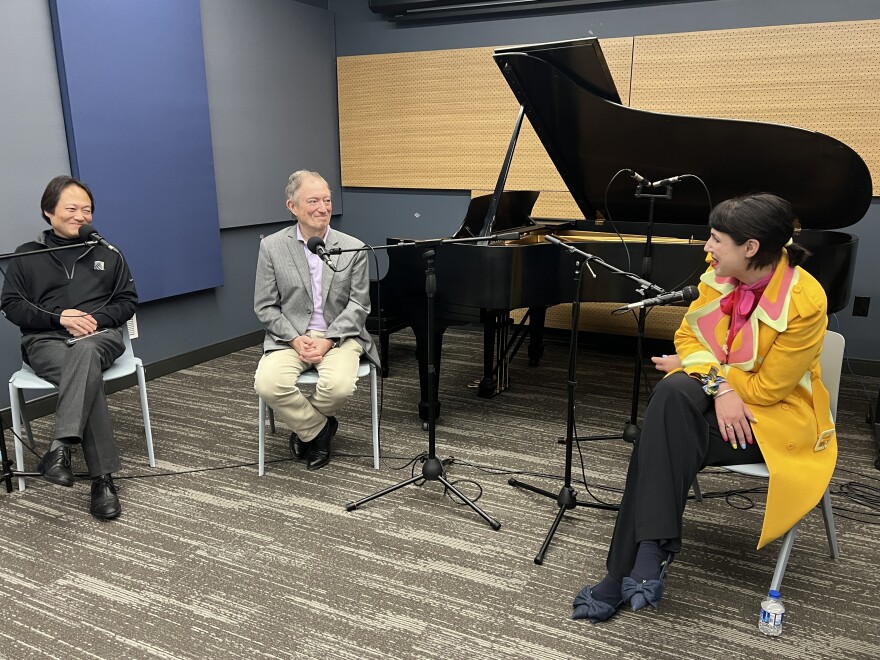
(89, 233)
(687, 294)
(316, 246)
(511, 236)
(669, 181)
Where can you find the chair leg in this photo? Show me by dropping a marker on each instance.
(261, 461)
(698, 494)
(784, 554)
(374, 413)
(15, 402)
(830, 530)
(145, 411)
(271, 419)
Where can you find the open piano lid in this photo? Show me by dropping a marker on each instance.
(573, 105)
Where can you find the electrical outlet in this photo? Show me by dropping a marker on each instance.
(861, 305)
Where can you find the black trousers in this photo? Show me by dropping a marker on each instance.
(82, 406)
(679, 437)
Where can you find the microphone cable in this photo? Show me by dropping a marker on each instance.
(116, 285)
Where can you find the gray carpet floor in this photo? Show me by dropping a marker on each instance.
(208, 560)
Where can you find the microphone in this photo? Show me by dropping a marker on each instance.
(316, 246)
(639, 178)
(89, 233)
(687, 294)
(669, 181)
(512, 236)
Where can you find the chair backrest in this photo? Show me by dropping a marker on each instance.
(831, 361)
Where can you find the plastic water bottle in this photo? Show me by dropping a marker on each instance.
(772, 614)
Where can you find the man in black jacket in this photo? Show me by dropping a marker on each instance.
(71, 306)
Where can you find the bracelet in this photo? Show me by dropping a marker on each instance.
(723, 393)
(712, 381)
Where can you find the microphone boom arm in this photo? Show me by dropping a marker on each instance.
(644, 285)
(429, 242)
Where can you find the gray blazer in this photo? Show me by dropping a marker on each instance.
(283, 291)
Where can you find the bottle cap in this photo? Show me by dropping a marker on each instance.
(773, 593)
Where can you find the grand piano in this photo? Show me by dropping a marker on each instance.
(567, 93)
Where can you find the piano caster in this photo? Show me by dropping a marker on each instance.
(487, 388)
(536, 349)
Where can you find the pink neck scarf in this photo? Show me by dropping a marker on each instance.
(739, 305)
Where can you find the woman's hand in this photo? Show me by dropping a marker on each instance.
(666, 363)
(733, 418)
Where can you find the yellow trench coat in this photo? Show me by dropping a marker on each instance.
(773, 365)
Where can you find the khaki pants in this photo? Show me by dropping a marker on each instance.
(275, 383)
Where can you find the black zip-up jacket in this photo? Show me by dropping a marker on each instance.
(99, 283)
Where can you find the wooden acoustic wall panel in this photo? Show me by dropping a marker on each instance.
(441, 120)
(824, 77)
(552, 204)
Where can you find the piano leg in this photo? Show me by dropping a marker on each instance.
(537, 317)
(495, 358)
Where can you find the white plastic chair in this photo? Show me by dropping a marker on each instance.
(25, 379)
(310, 377)
(832, 362)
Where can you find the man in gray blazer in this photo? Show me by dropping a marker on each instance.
(314, 317)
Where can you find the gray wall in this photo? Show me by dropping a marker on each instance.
(33, 146)
(271, 71)
(359, 31)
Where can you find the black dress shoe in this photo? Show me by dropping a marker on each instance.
(319, 448)
(105, 503)
(55, 466)
(299, 448)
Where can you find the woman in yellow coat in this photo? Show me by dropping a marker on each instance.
(743, 387)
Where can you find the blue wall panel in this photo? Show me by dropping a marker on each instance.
(135, 104)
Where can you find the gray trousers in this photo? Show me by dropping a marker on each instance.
(75, 370)
(679, 437)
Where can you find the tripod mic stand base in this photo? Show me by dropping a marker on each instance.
(566, 499)
(433, 469)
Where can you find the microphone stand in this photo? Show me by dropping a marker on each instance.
(631, 430)
(566, 499)
(7, 472)
(433, 469)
